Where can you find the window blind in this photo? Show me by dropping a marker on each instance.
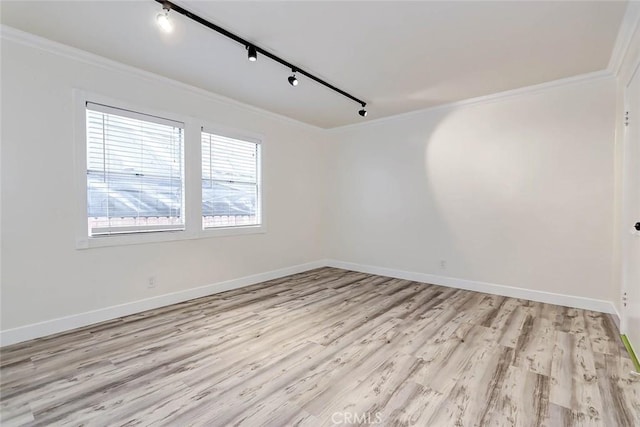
(135, 172)
(230, 181)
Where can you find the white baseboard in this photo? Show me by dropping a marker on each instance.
(489, 288)
(62, 324)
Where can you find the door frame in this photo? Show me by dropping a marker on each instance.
(627, 212)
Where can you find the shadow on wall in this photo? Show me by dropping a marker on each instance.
(389, 216)
(499, 192)
(476, 180)
(515, 184)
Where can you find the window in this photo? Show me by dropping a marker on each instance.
(230, 181)
(135, 172)
(139, 179)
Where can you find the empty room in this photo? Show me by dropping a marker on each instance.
(320, 213)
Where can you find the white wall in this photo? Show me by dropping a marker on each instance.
(45, 277)
(515, 192)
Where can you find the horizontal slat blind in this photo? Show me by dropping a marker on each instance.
(135, 174)
(230, 184)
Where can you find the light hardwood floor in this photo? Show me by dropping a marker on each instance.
(329, 346)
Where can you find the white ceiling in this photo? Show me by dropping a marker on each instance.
(397, 56)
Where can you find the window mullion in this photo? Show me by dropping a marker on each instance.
(192, 173)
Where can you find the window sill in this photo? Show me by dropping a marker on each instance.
(165, 236)
(232, 231)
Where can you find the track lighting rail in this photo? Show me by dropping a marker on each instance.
(178, 9)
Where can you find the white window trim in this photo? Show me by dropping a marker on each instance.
(192, 178)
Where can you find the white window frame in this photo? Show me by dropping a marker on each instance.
(243, 136)
(192, 178)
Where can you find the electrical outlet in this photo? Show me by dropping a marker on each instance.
(443, 264)
(151, 283)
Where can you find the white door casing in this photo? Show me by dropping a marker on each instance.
(630, 321)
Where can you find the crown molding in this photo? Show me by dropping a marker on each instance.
(629, 24)
(485, 99)
(628, 27)
(28, 39)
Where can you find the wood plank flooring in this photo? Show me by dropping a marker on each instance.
(329, 347)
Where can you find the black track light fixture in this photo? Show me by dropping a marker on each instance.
(252, 50)
(252, 55)
(293, 81)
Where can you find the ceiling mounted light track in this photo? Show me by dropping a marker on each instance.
(253, 50)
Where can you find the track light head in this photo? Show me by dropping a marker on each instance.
(252, 55)
(363, 112)
(293, 81)
(163, 21)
